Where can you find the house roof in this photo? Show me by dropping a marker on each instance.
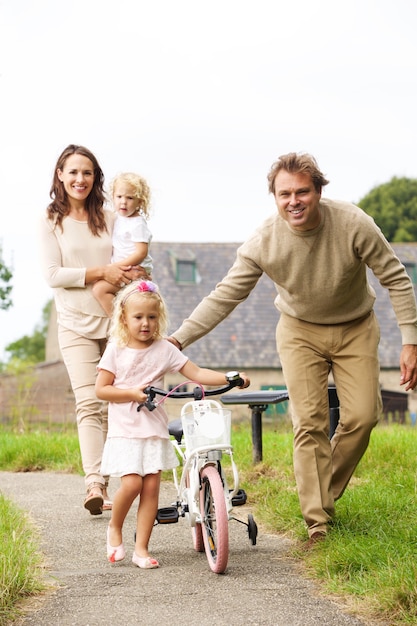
(246, 339)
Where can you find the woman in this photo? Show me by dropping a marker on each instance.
(76, 248)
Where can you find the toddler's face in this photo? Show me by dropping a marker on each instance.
(124, 200)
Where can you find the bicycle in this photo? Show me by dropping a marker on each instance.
(201, 437)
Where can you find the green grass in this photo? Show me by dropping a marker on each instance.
(21, 573)
(40, 450)
(370, 556)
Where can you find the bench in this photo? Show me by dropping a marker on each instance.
(258, 402)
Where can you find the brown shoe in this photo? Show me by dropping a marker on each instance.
(315, 538)
(94, 500)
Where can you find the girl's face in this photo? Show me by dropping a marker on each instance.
(141, 316)
(77, 176)
(124, 200)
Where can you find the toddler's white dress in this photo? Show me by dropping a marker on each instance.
(126, 232)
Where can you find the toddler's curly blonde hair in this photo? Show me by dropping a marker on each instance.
(141, 187)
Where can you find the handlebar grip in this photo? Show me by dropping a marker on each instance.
(235, 382)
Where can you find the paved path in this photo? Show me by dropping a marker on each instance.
(261, 586)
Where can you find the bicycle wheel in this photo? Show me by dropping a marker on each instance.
(214, 519)
(197, 535)
(196, 532)
(252, 529)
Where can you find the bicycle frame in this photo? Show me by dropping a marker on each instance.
(193, 462)
(200, 439)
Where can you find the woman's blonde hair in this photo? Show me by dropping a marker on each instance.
(138, 289)
(141, 187)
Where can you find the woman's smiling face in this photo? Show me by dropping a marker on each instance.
(77, 176)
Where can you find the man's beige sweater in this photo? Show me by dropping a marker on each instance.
(320, 275)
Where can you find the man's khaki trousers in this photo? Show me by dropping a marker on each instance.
(308, 352)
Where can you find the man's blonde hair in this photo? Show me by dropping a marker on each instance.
(297, 163)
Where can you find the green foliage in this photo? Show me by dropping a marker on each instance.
(6, 276)
(30, 349)
(393, 206)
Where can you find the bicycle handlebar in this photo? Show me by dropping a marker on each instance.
(197, 393)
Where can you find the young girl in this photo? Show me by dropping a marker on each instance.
(137, 446)
(131, 235)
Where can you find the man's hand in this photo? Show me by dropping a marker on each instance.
(174, 342)
(408, 366)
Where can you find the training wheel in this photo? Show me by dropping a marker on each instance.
(252, 529)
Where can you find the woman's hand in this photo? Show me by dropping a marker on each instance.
(135, 272)
(114, 275)
(119, 276)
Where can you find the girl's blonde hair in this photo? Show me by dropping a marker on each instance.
(141, 187)
(137, 289)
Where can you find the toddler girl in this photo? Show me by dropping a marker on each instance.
(131, 235)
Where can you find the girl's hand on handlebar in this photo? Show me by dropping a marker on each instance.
(246, 380)
(139, 395)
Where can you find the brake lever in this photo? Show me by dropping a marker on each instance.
(149, 404)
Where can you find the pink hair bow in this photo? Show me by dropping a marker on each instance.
(147, 285)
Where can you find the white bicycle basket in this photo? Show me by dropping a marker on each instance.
(205, 423)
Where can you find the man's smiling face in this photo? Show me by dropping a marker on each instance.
(297, 200)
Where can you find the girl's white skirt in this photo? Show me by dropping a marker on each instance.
(123, 456)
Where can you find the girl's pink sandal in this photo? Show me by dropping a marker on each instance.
(144, 562)
(114, 554)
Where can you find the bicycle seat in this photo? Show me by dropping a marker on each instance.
(175, 429)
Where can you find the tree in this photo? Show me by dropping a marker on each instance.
(393, 206)
(6, 276)
(30, 349)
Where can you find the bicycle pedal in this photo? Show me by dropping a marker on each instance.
(167, 515)
(239, 498)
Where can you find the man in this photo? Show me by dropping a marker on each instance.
(317, 251)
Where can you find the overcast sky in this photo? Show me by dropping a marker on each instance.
(200, 98)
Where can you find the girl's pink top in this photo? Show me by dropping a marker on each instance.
(133, 368)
